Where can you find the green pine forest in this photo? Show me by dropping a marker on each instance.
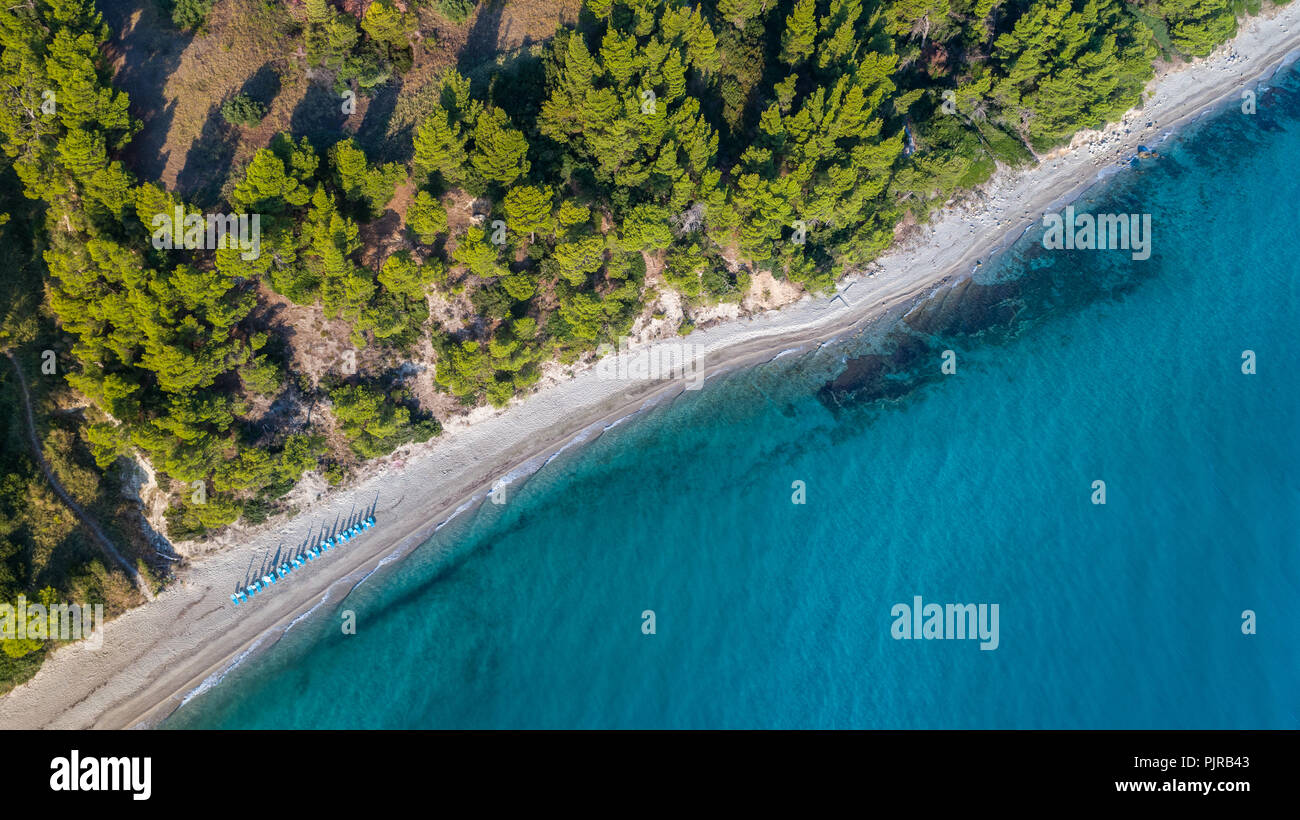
(683, 143)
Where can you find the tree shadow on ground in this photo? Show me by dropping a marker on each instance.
(208, 160)
(319, 117)
(481, 42)
(149, 47)
(207, 163)
(374, 137)
(263, 86)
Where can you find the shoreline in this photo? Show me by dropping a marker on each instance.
(160, 655)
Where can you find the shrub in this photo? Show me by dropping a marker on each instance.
(457, 11)
(190, 14)
(242, 109)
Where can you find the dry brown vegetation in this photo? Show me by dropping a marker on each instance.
(177, 81)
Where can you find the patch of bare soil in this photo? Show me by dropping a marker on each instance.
(382, 237)
(766, 292)
(317, 344)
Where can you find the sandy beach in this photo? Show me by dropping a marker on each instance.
(154, 656)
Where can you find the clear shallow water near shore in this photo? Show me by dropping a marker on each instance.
(975, 487)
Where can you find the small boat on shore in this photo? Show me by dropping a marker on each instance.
(301, 559)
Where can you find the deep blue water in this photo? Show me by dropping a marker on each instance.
(1073, 366)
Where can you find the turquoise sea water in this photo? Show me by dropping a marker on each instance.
(1073, 366)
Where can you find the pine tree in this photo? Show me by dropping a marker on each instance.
(1197, 26)
(570, 215)
(646, 228)
(440, 147)
(1072, 68)
(740, 12)
(350, 167)
(426, 217)
(500, 151)
(618, 56)
(402, 275)
(921, 20)
(359, 181)
(528, 210)
(318, 11)
(800, 33)
(267, 186)
(475, 253)
(385, 24)
(579, 259)
(372, 425)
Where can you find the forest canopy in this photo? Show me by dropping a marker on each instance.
(549, 205)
